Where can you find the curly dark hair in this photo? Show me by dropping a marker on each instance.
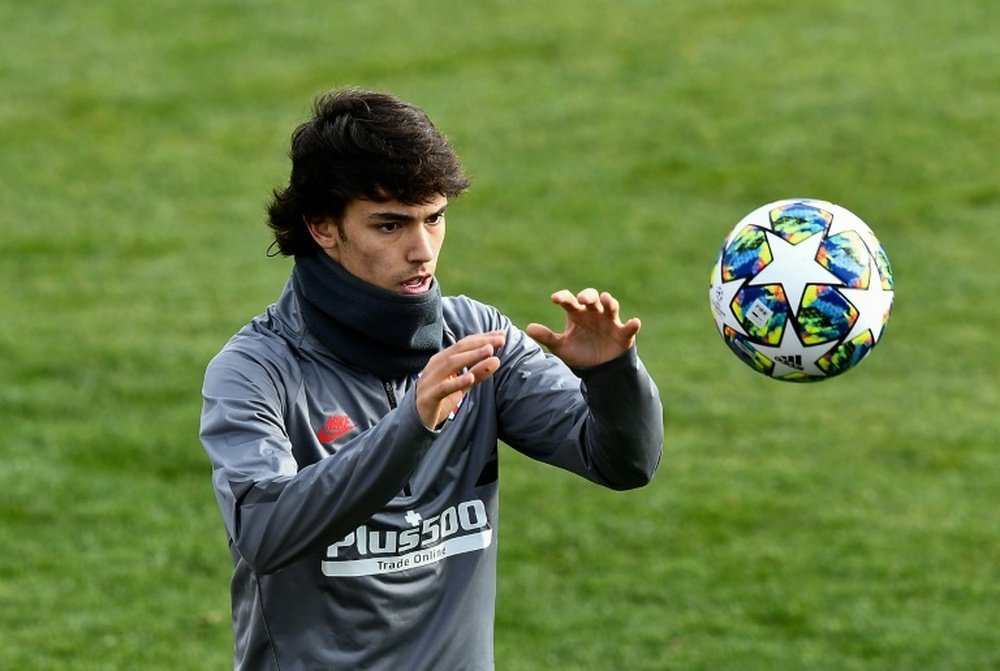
(360, 144)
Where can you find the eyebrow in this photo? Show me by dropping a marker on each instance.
(399, 217)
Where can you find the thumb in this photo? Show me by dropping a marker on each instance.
(542, 334)
(632, 326)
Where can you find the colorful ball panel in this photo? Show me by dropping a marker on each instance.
(746, 254)
(847, 355)
(884, 269)
(846, 256)
(825, 315)
(797, 221)
(744, 349)
(762, 312)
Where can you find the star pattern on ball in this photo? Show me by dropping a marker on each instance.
(847, 221)
(721, 298)
(794, 266)
(792, 356)
(872, 305)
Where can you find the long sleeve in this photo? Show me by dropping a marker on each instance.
(604, 423)
(275, 511)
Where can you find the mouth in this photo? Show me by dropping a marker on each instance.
(416, 285)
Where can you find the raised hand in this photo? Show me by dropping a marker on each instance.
(594, 332)
(453, 371)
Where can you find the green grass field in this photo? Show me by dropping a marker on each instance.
(840, 526)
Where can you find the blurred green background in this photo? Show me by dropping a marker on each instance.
(844, 525)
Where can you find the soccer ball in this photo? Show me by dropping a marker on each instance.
(801, 290)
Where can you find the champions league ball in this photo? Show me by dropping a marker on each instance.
(801, 290)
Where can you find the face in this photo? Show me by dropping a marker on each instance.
(390, 244)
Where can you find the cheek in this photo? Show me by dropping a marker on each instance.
(439, 241)
(375, 265)
(363, 264)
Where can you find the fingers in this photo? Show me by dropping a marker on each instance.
(542, 334)
(610, 303)
(467, 378)
(450, 373)
(473, 351)
(588, 299)
(464, 355)
(589, 309)
(593, 333)
(483, 370)
(631, 327)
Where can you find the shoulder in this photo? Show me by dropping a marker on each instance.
(252, 360)
(464, 315)
(264, 352)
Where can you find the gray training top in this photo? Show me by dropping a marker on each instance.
(361, 539)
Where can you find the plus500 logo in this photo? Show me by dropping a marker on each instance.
(468, 516)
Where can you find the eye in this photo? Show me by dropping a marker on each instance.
(435, 219)
(389, 227)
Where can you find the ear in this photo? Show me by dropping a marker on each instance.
(324, 232)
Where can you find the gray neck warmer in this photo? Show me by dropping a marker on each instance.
(388, 334)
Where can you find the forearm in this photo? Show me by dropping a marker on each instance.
(604, 423)
(275, 519)
(623, 436)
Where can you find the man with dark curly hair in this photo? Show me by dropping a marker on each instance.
(353, 426)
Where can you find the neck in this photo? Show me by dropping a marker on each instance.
(386, 333)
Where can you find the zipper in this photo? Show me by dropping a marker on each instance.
(390, 394)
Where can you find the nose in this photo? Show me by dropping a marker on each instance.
(422, 247)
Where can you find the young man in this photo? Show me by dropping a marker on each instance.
(353, 426)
